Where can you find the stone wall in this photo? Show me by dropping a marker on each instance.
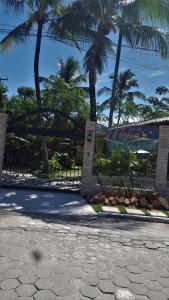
(89, 182)
(162, 159)
(3, 127)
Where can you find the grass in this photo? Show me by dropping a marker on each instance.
(146, 212)
(166, 212)
(97, 208)
(122, 210)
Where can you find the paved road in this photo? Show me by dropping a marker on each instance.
(47, 258)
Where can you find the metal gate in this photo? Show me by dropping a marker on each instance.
(66, 180)
(21, 163)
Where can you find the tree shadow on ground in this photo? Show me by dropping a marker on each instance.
(59, 208)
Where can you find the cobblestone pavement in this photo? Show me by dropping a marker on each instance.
(43, 261)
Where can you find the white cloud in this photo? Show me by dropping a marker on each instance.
(157, 73)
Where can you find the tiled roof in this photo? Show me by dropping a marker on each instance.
(157, 121)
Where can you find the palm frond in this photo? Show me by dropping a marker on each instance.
(146, 37)
(80, 79)
(162, 90)
(56, 32)
(18, 35)
(69, 70)
(15, 5)
(43, 79)
(78, 20)
(138, 94)
(97, 54)
(156, 10)
(105, 105)
(104, 90)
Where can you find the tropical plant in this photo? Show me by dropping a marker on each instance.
(162, 90)
(46, 16)
(70, 71)
(134, 24)
(126, 17)
(65, 98)
(123, 94)
(96, 56)
(26, 92)
(160, 103)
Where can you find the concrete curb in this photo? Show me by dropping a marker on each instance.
(135, 217)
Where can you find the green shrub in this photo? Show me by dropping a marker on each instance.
(65, 161)
(102, 166)
(54, 163)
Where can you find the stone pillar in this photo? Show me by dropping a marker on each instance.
(3, 127)
(89, 182)
(162, 159)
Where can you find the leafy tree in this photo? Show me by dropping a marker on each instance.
(46, 16)
(65, 107)
(65, 98)
(26, 92)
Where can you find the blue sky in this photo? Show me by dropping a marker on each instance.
(17, 64)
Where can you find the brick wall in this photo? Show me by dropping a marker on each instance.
(162, 159)
(3, 126)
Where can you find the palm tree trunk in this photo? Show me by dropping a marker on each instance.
(92, 92)
(119, 114)
(38, 96)
(115, 78)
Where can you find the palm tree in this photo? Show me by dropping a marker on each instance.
(123, 95)
(70, 71)
(46, 17)
(143, 36)
(110, 16)
(162, 90)
(96, 56)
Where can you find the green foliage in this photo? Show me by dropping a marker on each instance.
(124, 163)
(122, 210)
(70, 71)
(66, 161)
(124, 107)
(67, 98)
(54, 163)
(146, 212)
(101, 166)
(166, 213)
(97, 208)
(26, 92)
